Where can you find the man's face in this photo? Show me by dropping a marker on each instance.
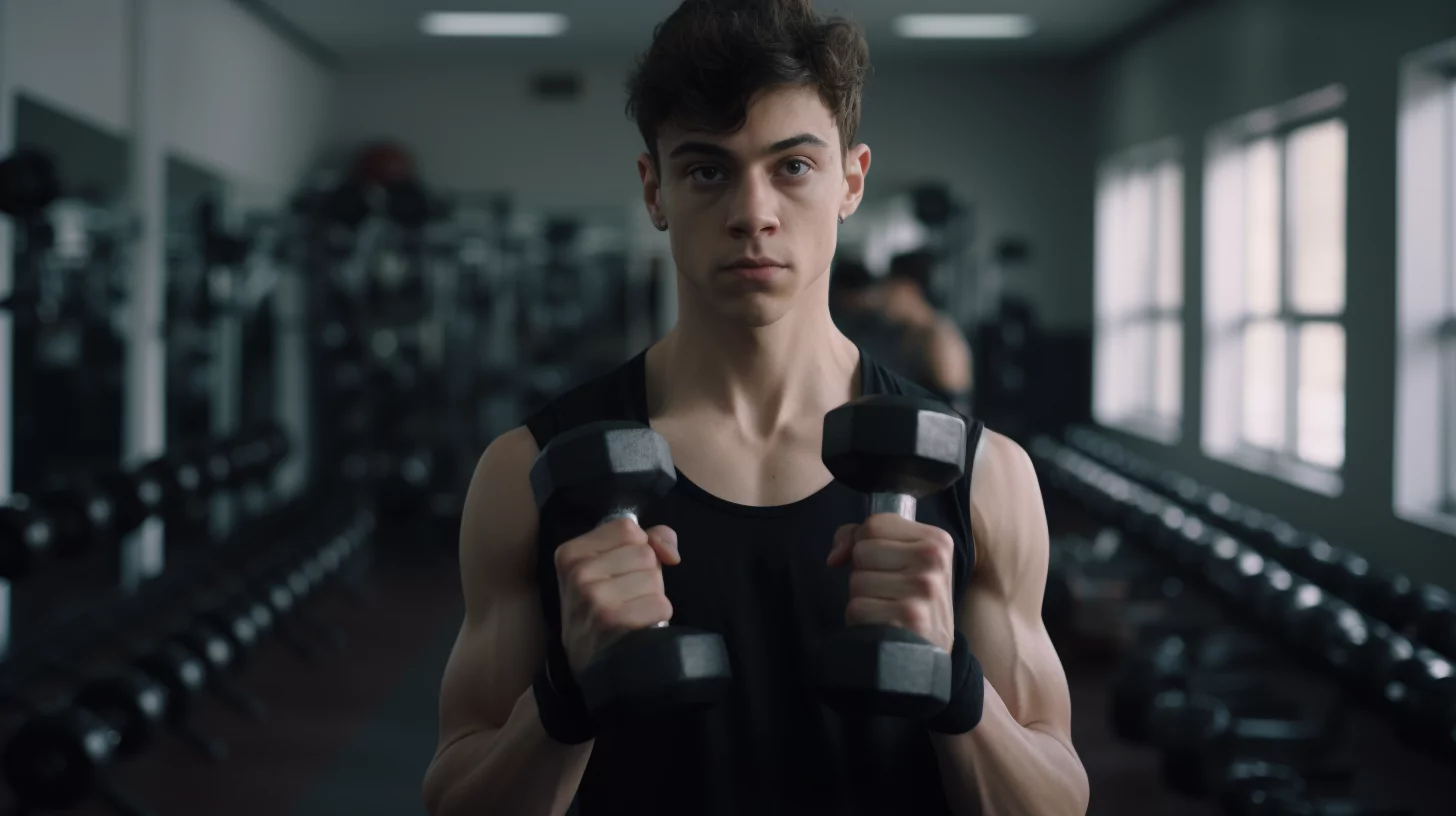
(753, 215)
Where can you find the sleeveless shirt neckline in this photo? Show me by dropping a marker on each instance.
(691, 488)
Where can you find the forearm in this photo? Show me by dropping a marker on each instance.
(1001, 768)
(516, 770)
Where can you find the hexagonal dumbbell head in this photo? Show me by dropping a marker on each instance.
(603, 468)
(891, 444)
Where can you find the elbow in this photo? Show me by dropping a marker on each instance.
(1079, 793)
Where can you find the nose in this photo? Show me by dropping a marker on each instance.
(753, 210)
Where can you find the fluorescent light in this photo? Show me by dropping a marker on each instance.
(964, 26)
(492, 24)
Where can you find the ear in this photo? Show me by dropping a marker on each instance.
(856, 167)
(651, 189)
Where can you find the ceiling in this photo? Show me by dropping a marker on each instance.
(361, 31)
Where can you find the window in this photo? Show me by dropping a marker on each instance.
(1425, 414)
(1138, 377)
(1274, 291)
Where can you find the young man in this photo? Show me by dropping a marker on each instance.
(749, 112)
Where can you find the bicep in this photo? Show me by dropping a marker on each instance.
(1001, 611)
(500, 640)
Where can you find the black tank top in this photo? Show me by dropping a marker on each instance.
(755, 575)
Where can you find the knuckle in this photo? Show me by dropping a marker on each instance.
(643, 556)
(925, 584)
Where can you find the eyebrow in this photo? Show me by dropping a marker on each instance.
(717, 151)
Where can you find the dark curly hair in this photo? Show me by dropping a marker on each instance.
(709, 58)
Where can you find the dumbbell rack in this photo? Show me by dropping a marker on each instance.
(306, 542)
(1332, 637)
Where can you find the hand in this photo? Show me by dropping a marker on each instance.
(611, 583)
(901, 576)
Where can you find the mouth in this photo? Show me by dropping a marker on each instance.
(756, 269)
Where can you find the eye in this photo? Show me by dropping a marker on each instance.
(802, 166)
(706, 172)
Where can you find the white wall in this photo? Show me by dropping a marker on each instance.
(1225, 59)
(1014, 140)
(237, 99)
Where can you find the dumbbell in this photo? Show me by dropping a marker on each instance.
(59, 759)
(1218, 662)
(1248, 784)
(184, 676)
(1389, 596)
(283, 589)
(898, 450)
(1198, 736)
(27, 536)
(1289, 803)
(597, 473)
(1107, 593)
(83, 516)
(1421, 690)
(219, 656)
(1323, 626)
(1435, 619)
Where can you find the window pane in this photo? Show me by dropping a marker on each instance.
(1138, 238)
(1264, 381)
(1168, 396)
(1317, 217)
(1169, 293)
(1448, 369)
(1139, 364)
(1322, 394)
(1261, 228)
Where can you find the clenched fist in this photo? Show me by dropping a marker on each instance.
(900, 576)
(611, 583)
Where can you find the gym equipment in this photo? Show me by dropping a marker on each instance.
(26, 537)
(598, 473)
(1104, 593)
(896, 449)
(59, 760)
(1199, 735)
(83, 516)
(1290, 803)
(184, 676)
(1248, 784)
(28, 184)
(1214, 662)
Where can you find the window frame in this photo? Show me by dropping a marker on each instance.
(1226, 336)
(1424, 483)
(1147, 160)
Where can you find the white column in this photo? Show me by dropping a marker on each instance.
(145, 409)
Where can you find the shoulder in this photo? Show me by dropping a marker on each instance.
(604, 396)
(1007, 516)
(499, 521)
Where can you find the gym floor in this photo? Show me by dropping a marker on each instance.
(354, 736)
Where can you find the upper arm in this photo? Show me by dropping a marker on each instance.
(501, 640)
(950, 359)
(1001, 609)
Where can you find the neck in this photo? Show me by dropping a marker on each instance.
(763, 378)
